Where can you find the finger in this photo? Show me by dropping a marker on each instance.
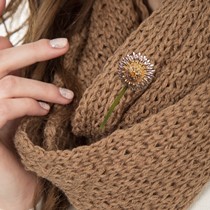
(18, 87)
(2, 6)
(4, 43)
(11, 109)
(21, 56)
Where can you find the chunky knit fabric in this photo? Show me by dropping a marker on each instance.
(154, 153)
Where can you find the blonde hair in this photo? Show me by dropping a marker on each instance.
(50, 19)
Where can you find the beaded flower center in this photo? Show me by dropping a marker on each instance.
(136, 71)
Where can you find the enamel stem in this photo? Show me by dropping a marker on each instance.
(114, 104)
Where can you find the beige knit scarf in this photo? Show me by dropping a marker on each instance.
(154, 153)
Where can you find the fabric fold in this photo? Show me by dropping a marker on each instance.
(157, 161)
(160, 37)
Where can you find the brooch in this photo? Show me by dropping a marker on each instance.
(136, 72)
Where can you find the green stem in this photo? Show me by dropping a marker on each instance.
(114, 104)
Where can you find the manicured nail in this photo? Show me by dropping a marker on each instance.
(44, 105)
(58, 43)
(66, 93)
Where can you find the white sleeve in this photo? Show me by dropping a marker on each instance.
(38, 206)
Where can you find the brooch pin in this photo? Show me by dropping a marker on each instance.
(136, 72)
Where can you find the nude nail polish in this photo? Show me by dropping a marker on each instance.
(58, 43)
(44, 105)
(68, 94)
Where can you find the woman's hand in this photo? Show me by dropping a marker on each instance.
(20, 97)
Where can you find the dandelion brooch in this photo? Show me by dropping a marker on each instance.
(136, 72)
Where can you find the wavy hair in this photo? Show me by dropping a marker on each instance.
(50, 19)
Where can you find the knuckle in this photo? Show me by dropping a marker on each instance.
(7, 83)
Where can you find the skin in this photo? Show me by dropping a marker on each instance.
(17, 185)
(154, 4)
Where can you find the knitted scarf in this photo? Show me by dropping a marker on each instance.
(154, 152)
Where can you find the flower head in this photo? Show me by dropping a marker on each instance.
(136, 71)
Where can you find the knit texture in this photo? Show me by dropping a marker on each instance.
(155, 150)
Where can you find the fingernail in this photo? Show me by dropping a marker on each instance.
(58, 43)
(44, 105)
(66, 93)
